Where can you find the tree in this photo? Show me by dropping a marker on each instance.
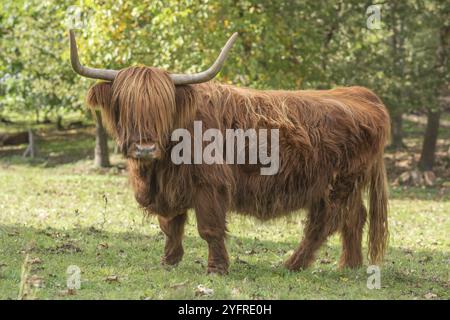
(101, 159)
(440, 85)
(37, 76)
(400, 83)
(36, 73)
(282, 45)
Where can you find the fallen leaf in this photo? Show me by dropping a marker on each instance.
(67, 247)
(35, 261)
(201, 290)
(112, 278)
(430, 296)
(403, 164)
(102, 245)
(36, 281)
(68, 292)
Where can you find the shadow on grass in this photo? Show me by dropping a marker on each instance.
(53, 148)
(135, 257)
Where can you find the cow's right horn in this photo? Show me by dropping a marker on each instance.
(210, 73)
(93, 73)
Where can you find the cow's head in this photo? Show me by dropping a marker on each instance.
(139, 104)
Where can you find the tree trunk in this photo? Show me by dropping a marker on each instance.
(36, 112)
(427, 156)
(59, 125)
(30, 151)
(397, 131)
(101, 144)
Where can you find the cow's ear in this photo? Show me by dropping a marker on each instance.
(99, 95)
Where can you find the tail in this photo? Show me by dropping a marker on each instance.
(378, 220)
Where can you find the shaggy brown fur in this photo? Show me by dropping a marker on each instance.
(331, 149)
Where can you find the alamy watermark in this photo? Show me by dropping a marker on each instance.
(73, 277)
(236, 147)
(374, 278)
(373, 21)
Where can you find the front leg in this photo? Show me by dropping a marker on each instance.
(210, 210)
(173, 228)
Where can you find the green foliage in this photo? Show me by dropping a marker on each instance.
(35, 74)
(282, 44)
(410, 75)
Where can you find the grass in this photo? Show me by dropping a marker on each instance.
(57, 211)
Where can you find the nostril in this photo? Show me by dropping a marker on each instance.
(144, 151)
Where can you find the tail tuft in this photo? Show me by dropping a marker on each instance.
(378, 220)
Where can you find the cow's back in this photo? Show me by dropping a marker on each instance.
(323, 134)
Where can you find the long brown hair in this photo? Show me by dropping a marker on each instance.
(331, 150)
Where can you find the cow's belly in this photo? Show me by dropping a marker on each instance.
(267, 197)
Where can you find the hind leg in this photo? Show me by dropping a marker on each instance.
(352, 231)
(319, 227)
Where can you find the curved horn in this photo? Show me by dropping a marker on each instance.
(209, 74)
(93, 73)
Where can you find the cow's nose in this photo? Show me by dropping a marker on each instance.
(143, 151)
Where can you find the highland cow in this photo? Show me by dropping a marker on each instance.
(331, 145)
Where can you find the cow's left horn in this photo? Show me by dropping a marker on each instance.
(93, 73)
(210, 73)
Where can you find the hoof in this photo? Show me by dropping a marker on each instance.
(295, 264)
(351, 266)
(171, 260)
(292, 267)
(217, 270)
